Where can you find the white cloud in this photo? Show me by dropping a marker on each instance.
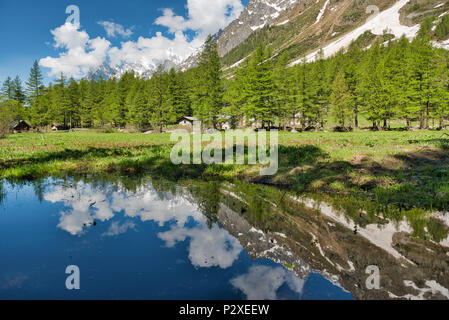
(153, 51)
(114, 29)
(204, 16)
(82, 53)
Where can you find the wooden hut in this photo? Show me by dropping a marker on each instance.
(20, 126)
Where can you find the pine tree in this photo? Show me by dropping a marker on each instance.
(283, 79)
(353, 59)
(305, 96)
(18, 93)
(139, 113)
(340, 100)
(208, 94)
(73, 103)
(260, 88)
(178, 104)
(34, 84)
(368, 88)
(424, 71)
(441, 84)
(107, 110)
(236, 97)
(158, 93)
(60, 103)
(8, 89)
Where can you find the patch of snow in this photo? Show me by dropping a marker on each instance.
(283, 22)
(235, 64)
(321, 250)
(432, 287)
(281, 235)
(272, 250)
(381, 236)
(254, 28)
(321, 13)
(351, 266)
(254, 230)
(387, 19)
(439, 5)
(232, 194)
(442, 216)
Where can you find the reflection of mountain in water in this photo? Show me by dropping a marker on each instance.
(267, 224)
(307, 239)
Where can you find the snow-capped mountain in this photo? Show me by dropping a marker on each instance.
(301, 28)
(256, 15)
(142, 70)
(105, 71)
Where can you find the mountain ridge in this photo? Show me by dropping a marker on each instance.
(301, 28)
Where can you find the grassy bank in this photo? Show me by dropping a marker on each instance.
(400, 170)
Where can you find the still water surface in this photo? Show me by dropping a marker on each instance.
(149, 240)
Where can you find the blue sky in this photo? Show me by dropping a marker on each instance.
(134, 25)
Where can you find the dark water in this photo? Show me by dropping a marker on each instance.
(146, 240)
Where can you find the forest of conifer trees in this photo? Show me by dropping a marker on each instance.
(394, 82)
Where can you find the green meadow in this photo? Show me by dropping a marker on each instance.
(392, 170)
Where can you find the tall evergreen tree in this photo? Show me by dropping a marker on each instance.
(260, 88)
(34, 84)
(17, 90)
(208, 94)
(340, 100)
(8, 89)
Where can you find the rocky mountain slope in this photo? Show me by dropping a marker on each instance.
(302, 27)
(257, 14)
(308, 26)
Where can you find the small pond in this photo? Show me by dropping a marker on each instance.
(149, 239)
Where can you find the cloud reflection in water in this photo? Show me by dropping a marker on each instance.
(213, 247)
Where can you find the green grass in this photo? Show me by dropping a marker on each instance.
(382, 172)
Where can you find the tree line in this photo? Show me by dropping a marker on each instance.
(403, 81)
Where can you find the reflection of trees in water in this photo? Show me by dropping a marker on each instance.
(207, 197)
(2, 191)
(165, 189)
(257, 204)
(39, 189)
(254, 202)
(366, 211)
